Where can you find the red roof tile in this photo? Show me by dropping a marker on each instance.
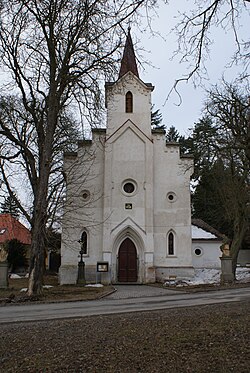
(10, 229)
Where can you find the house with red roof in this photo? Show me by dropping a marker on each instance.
(10, 229)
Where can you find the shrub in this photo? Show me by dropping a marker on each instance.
(16, 254)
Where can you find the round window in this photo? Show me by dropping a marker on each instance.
(129, 187)
(171, 196)
(198, 251)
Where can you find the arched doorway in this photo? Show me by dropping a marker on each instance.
(127, 262)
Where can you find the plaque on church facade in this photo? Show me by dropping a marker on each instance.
(128, 206)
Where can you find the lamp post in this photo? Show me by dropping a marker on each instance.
(81, 265)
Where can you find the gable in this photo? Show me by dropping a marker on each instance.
(129, 147)
(129, 80)
(123, 128)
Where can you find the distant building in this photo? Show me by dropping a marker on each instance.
(10, 229)
(206, 242)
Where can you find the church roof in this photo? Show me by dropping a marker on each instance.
(128, 62)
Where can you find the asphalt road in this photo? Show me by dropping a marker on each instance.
(62, 310)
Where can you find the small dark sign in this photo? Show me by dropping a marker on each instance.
(128, 206)
(102, 267)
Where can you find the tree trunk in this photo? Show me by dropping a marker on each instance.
(38, 239)
(37, 254)
(240, 229)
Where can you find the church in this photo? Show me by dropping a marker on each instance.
(128, 193)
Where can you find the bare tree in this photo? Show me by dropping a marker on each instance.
(229, 108)
(222, 161)
(195, 38)
(15, 167)
(56, 53)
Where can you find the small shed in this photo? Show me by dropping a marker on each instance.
(206, 242)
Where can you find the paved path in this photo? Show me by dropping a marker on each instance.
(139, 291)
(50, 311)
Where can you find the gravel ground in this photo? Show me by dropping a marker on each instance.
(212, 338)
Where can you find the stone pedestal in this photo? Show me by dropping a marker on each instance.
(81, 273)
(227, 275)
(4, 275)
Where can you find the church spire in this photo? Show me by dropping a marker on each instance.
(128, 60)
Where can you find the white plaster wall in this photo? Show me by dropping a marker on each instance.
(83, 172)
(244, 257)
(211, 253)
(172, 175)
(128, 156)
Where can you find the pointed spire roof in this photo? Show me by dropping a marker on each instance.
(128, 60)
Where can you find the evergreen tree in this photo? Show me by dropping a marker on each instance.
(207, 200)
(201, 144)
(186, 145)
(172, 135)
(16, 254)
(156, 119)
(220, 145)
(9, 206)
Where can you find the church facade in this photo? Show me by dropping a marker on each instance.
(128, 193)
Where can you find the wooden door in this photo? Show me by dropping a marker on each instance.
(127, 262)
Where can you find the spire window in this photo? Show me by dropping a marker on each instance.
(129, 102)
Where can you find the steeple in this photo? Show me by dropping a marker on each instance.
(128, 60)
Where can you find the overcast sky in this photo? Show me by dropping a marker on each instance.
(163, 75)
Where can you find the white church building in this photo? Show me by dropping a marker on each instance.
(128, 193)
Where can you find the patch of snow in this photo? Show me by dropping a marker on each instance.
(23, 290)
(200, 233)
(27, 275)
(243, 274)
(205, 276)
(47, 286)
(14, 275)
(210, 276)
(94, 285)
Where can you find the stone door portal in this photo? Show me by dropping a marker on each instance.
(127, 262)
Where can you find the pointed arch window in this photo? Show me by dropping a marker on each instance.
(171, 243)
(84, 242)
(129, 102)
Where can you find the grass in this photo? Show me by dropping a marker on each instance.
(55, 293)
